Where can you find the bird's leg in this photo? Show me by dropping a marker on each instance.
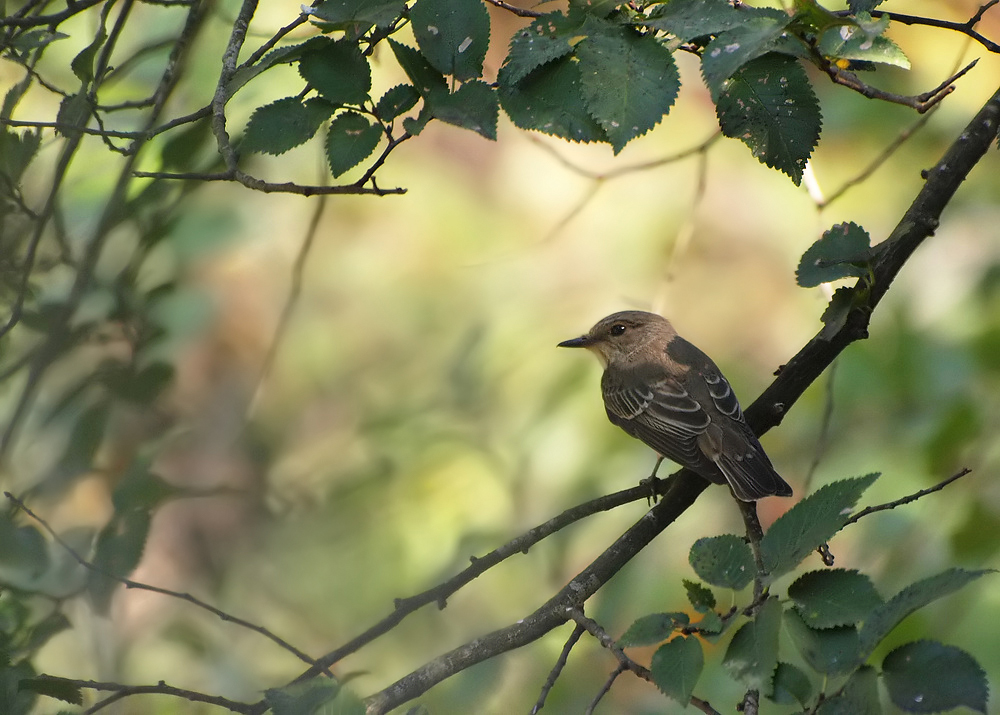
(653, 481)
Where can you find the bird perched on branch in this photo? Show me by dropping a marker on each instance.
(667, 393)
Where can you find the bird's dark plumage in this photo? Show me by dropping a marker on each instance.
(667, 393)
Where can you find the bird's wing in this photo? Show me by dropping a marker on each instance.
(661, 413)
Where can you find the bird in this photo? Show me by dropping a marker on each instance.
(667, 393)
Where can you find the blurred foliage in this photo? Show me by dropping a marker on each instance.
(416, 413)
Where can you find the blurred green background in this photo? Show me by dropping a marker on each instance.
(418, 412)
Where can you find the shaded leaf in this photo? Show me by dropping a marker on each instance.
(810, 523)
(701, 598)
(473, 106)
(842, 251)
(73, 114)
(676, 667)
(119, 548)
(859, 696)
(285, 124)
(549, 100)
(791, 686)
(24, 554)
(339, 72)
(628, 82)
(351, 139)
(852, 42)
(279, 56)
(731, 50)
(834, 597)
(652, 628)
(752, 654)
(724, 561)
(840, 306)
(35, 39)
(52, 688)
(928, 677)
(16, 152)
(913, 597)
(83, 64)
(688, 19)
(547, 38)
(302, 698)
(141, 488)
(453, 35)
(425, 78)
(398, 100)
(769, 105)
(360, 13)
(831, 651)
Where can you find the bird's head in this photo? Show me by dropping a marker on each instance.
(623, 338)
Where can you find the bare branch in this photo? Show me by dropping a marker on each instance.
(519, 11)
(72, 9)
(963, 27)
(557, 668)
(909, 498)
(921, 102)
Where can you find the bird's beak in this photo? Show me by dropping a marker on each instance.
(584, 341)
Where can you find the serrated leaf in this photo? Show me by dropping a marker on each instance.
(52, 688)
(398, 100)
(652, 628)
(769, 105)
(73, 114)
(711, 623)
(928, 677)
(688, 19)
(752, 654)
(596, 8)
(302, 698)
(41, 632)
(279, 56)
(339, 72)
(120, 546)
(701, 598)
(628, 82)
(857, 6)
(35, 39)
(852, 42)
(425, 78)
(285, 124)
(453, 35)
(360, 13)
(913, 597)
(810, 523)
(843, 250)
(676, 667)
(351, 139)
(549, 100)
(16, 152)
(837, 310)
(731, 50)
(473, 106)
(415, 125)
(831, 651)
(859, 696)
(546, 39)
(834, 597)
(790, 686)
(724, 561)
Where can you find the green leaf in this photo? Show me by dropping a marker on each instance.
(549, 100)
(142, 386)
(688, 19)
(24, 554)
(652, 628)
(770, 106)
(52, 688)
(85, 439)
(928, 677)
(791, 686)
(628, 82)
(339, 72)
(676, 667)
(41, 632)
(834, 597)
(350, 141)
(857, 6)
(73, 114)
(752, 654)
(546, 39)
(596, 8)
(35, 39)
(302, 698)
(840, 306)
(453, 35)
(14, 701)
(16, 152)
(398, 100)
(285, 124)
(724, 561)
(425, 78)
(141, 488)
(83, 64)
(852, 42)
(810, 523)
(859, 696)
(361, 14)
(830, 651)
(701, 598)
(279, 56)
(913, 597)
(474, 106)
(728, 52)
(180, 151)
(119, 549)
(711, 623)
(841, 252)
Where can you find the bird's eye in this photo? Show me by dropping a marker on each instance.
(617, 329)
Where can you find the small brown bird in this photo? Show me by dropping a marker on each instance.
(664, 391)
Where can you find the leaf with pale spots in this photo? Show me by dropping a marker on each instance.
(724, 561)
(830, 651)
(473, 106)
(834, 597)
(858, 43)
(285, 124)
(913, 676)
(770, 106)
(676, 667)
(453, 35)
(687, 19)
(752, 654)
(546, 39)
(628, 81)
(351, 139)
(728, 52)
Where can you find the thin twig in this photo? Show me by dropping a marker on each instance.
(139, 586)
(229, 59)
(604, 638)
(267, 187)
(519, 11)
(605, 689)
(921, 102)
(54, 19)
(557, 668)
(911, 498)
(963, 27)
